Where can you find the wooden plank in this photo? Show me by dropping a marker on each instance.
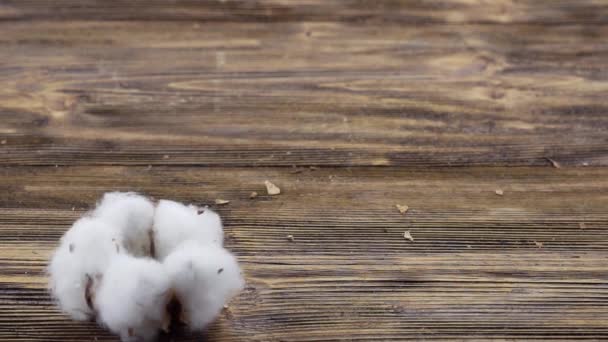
(281, 94)
(474, 269)
(413, 12)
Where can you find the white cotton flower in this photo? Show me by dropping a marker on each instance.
(77, 264)
(175, 223)
(132, 298)
(204, 278)
(132, 214)
(108, 266)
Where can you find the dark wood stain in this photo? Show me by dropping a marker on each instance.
(350, 107)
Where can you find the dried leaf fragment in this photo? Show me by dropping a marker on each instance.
(271, 188)
(408, 235)
(221, 201)
(253, 195)
(402, 208)
(554, 163)
(499, 192)
(88, 292)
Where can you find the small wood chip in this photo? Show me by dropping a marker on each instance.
(582, 225)
(499, 192)
(312, 168)
(408, 236)
(253, 195)
(402, 208)
(221, 201)
(271, 188)
(166, 156)
(290, 238)
(538, 244)
(3, 142)
(554, 163)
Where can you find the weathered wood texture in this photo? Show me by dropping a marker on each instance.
(474, 269)
(282, 91)
(198, 100)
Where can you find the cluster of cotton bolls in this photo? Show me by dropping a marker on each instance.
(130, 262)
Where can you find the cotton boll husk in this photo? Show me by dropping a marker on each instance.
(82, 257)
(132, 298)
(175, 223)
(132, 214)
(205, 277)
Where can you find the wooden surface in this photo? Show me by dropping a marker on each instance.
(433, 104)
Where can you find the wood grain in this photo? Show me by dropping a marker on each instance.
(412, 12)
(199, 100)
(473, 271)
(303, 93)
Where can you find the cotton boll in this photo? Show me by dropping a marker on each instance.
(175, 223)
(205, 277)
(133, 297)
(78, 263)
(132, 214)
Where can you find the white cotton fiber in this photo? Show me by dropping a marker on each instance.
(132, 214)
(80, 260)
(204, 278)
(175, 223)
(132, 298)
(128, 261)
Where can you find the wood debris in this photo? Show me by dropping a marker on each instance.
(402, 208)
(221, 201)
(3, 142)
(166, 156)
(290, 238)
(271, 188)
(408, 235)
(253, 195)
(554, 163)
(538, 244)
(582, 225)
(499, 192)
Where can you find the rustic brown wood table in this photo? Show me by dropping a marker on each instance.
(350, 107)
